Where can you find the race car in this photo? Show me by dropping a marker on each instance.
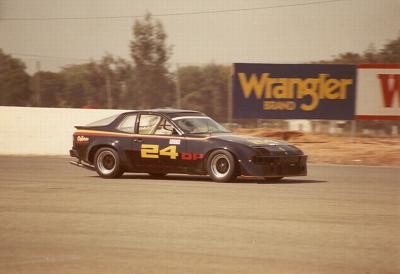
(161, 141)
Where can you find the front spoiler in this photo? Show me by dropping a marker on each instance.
(276, 166)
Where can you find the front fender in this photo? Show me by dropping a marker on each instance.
(242, 153)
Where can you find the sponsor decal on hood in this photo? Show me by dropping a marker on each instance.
(250, 140)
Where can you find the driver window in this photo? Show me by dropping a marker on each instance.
(164, 128)
(155, 124)
(148, 123)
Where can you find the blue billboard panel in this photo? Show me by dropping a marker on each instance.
(281, 91)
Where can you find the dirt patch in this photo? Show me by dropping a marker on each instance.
(338, 149)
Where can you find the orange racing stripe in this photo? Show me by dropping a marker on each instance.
(120, 134)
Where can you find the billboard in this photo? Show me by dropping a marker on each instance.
(303, 91)
(378, 92)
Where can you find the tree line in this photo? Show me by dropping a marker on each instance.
(145, 81)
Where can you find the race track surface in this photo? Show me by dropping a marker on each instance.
(58, 218)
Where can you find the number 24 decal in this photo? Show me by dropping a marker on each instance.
(153, 151)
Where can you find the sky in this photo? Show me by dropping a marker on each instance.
(266, 34)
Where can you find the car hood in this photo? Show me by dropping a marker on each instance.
(248, 140)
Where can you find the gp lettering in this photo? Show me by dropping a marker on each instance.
(191, 156)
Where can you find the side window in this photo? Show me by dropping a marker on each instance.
(154, 124)
(148, 123)
(164, 128)
(127, 124)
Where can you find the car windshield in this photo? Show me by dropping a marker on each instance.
(199, 124)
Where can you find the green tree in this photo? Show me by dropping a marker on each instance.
(345, 58)
(205, 89)
(191, 80)
(371, 55)
(391, 52)
(76, 89)
(100, 84)
(51, 87)
(14, 82)
(108, 81)
(150, 84)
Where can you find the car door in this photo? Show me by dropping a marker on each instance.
(157, 145)
(127, 126)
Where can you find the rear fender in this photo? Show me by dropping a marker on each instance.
(97, 145)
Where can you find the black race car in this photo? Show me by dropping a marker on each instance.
(161, 141)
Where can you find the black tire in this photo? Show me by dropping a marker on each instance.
(107, 163)
(273, 179)
(221, 166)
(157, 175)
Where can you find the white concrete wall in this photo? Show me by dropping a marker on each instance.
(43, 131)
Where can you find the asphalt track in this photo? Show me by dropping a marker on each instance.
(58, 218)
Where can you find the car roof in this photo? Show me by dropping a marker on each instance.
(171, 112)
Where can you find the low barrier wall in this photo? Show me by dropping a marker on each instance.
(43, 131)
(48, 131)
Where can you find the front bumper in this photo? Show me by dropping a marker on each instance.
(277, 166)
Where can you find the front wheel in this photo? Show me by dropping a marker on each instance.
(221, 166)
(107, 163)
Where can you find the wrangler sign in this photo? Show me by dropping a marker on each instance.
(378, 92)
(279, 91)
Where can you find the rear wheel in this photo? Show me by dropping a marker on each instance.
(107, 163)
(221, 166)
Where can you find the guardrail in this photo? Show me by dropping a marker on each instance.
(43, 131)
